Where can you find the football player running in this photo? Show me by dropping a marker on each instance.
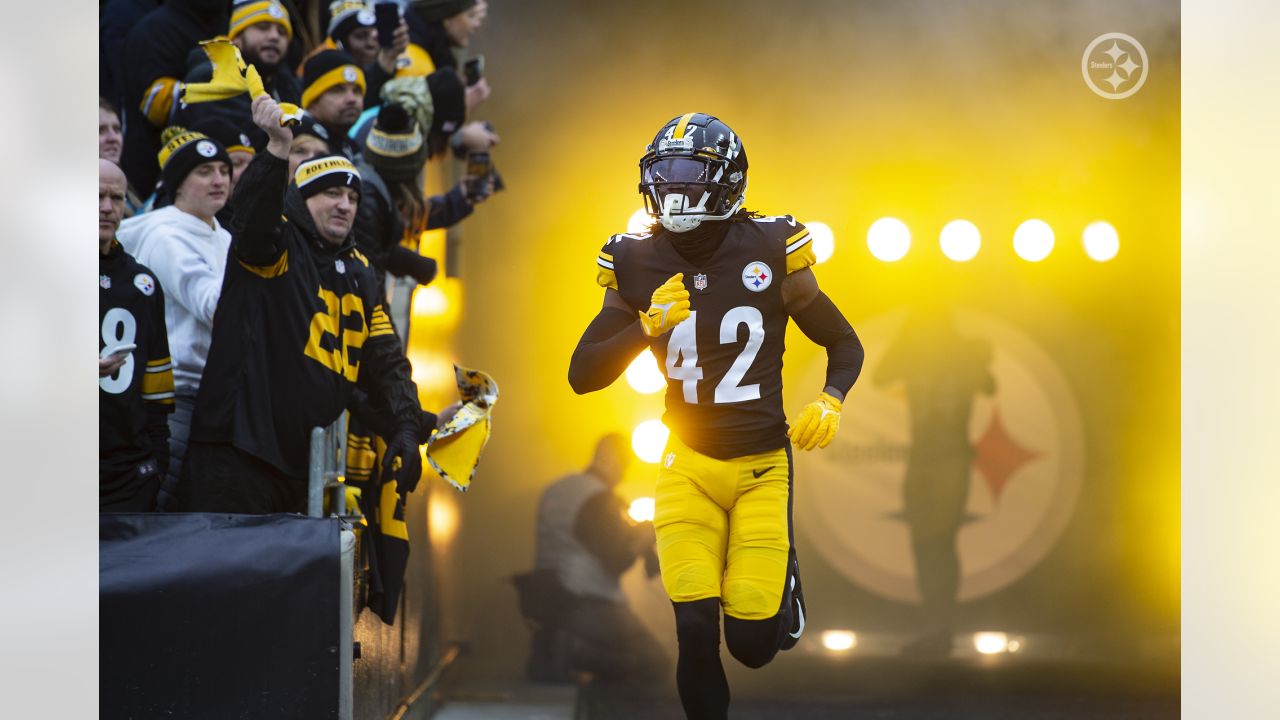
(709, 291)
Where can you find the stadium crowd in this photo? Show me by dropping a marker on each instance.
(258, 184)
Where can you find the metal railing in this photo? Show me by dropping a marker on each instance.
(327, 468)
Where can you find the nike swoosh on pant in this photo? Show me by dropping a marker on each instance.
(758, 473)
(800, 631)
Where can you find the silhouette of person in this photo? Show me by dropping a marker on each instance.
(943, 371)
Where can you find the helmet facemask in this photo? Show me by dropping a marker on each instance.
(684, 185)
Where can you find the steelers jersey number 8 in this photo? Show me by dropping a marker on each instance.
(682, 356)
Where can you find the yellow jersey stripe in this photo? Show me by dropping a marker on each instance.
(799, 234)
(802, 258)
(157, 383)
(680, 126)
(268, 272)
(799, 244)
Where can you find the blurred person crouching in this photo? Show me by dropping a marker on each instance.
(135, 374)
(585, 542)
(186, 247)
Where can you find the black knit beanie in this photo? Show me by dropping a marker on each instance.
(183, 151)
(327, 69)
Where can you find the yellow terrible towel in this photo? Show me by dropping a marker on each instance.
(231, 77)
(454, 450)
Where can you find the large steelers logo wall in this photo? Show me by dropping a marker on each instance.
(960, 426)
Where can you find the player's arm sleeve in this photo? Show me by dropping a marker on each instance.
(821, 321)
(157, 382)
(602, 530)
(609, 344)
(386, 375)
(257, 234)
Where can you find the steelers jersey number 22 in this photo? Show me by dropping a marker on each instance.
(682, 356)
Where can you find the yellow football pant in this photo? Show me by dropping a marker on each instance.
(724, 528)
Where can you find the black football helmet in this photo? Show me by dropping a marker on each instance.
(694, 170)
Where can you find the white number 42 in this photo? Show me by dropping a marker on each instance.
(682, 356)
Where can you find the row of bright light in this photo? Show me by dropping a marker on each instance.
(986, 643)
(889, 239)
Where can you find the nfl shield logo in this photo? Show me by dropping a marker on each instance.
(700, 282)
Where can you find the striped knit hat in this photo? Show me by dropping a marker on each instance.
(327, 69)
(251, 12)
(324, 172)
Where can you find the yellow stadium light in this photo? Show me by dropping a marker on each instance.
(430, 301)
(639, 222)
(648, 440)
(824, 241)
(991, 643)
(442, 518)
(644, 376)
(1033, 240)
(839, 640)
(1101, 241)
(960, 240)
(888, 239)
(641, 509)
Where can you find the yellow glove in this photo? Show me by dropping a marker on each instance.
(816, 424)
(669, 306)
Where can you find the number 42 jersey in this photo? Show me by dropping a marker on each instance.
(724, 363)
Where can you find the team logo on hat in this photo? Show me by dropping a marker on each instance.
(349, 73)
(757, 276)
(364, 17)
(244, 140)
(144, 283)
(104, 282)
(206, 148)
(275, 11)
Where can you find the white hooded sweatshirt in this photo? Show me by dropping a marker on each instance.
(189, 258)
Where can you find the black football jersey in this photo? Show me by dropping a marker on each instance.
(290, 338)
(724, 364)
(130, 312)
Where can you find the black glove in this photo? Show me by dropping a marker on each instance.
(402, 462)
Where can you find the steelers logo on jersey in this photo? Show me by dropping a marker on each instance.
(145, 284)
(104, 282)
(757, 276)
